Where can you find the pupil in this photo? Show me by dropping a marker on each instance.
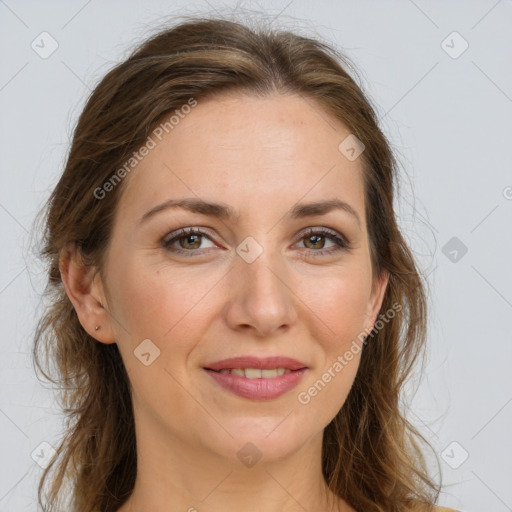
(189, 237)
(313, 237)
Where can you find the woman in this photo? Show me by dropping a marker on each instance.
(233, 307)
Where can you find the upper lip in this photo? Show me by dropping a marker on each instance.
(262, 363)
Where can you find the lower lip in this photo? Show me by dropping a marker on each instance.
(258, 389)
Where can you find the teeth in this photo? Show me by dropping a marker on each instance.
(256, 373)
(251, 373)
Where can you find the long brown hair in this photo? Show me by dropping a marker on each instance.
(372, 454)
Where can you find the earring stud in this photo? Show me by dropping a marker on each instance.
(97, 327)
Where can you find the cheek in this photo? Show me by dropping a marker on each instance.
(349, 312)
(167, 309)
(154, 302)
(172, 310)
(339, 302)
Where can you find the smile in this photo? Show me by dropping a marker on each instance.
(256, 373)
(257, 384)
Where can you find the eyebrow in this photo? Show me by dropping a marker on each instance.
(226, 212)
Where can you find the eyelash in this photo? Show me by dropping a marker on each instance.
(340, 241)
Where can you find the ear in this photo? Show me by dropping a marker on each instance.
(86, 292)
(376, 298)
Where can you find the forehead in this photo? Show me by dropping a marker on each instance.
(250, 150)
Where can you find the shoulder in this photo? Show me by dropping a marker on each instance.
(444, 509)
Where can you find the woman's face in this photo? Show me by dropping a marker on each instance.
(266, 282)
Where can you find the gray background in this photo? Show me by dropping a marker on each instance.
(448, 117)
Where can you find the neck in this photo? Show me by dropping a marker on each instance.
(187, 477)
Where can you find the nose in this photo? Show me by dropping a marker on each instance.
(261, 298)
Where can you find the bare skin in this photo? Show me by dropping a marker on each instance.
(303, 297)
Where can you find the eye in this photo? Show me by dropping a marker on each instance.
(187, 239)
(315, 239)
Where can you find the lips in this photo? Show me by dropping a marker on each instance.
(257, 378)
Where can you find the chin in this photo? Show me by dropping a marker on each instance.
(270, 438)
